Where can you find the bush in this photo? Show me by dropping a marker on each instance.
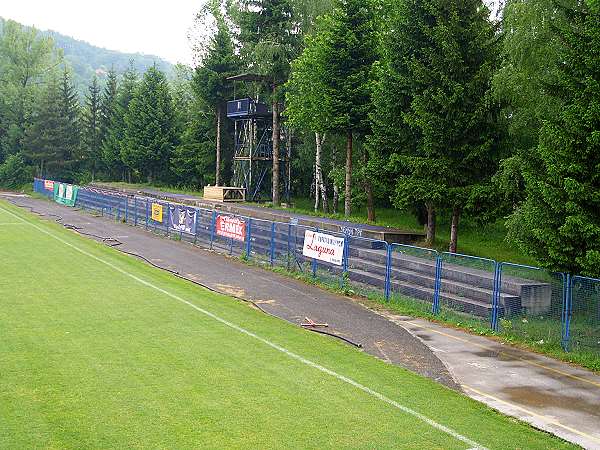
(14, 173)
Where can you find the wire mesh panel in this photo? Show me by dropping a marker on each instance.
(204, 227)
(584, 315)
(283, 244)
(366, 265)
(260, 241)
(467, 286)
(412, 275)
(531, 302)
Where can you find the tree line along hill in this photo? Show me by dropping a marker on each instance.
(87, 60)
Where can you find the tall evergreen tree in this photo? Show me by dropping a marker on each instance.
(438, 77)
(559, 222)
(150, 136)
(270, 40)
(348, 59)
(52, 141)
(108, 101)
(114, 141)
(210, 81)
(91, 129)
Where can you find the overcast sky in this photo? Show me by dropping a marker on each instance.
(147, 26)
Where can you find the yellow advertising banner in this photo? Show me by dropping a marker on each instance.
(157, 212)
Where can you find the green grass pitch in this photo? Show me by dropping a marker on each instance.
(99, 350)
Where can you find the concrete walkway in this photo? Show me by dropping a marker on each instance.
(549, 394)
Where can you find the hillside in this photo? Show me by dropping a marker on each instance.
(87, 59)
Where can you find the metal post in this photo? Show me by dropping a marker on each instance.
(249, 238)
(496, 296)
(272, 256)
(345, 252)
(314, 262)
(213, 221)
(196, 225)
(147, 214)
(126, 209)
(437, 284)
(168, 221)
(135, 213)
(388, 271)
(567, 308)
(289, 237)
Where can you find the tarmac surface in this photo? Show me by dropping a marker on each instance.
(551, 395)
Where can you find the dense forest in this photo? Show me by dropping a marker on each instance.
(437, 107)
(87, 61)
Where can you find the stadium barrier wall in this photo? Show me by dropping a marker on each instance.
(548, 308)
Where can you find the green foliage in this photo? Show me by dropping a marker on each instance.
(559, 223)
(114, 140)
(14, 173)
(433, 105)
(92, 129)
(150, 127)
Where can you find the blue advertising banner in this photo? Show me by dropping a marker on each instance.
(182, 218)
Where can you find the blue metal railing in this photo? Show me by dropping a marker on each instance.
(280, 244)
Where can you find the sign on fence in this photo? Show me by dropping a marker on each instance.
(231, 227)
(324, 247)
(157, 212)
(65, 194)
(182, 219)
(49, 185)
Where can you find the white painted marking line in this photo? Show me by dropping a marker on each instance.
(287, 352)
(13, 223)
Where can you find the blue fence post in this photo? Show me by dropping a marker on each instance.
(147, 214)
(289, 238)
(135, 212)
(197, 213)
(345, 250)
(272, 252)
(249, 238)
(566, 312)
(437, 284)
(126, 209)
(388, 271)
(496, 296)
(314, 262)
(213, 222)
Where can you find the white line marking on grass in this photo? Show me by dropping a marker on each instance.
(287, 352)
(2, 224)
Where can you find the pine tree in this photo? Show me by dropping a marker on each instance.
(108, 104)
(210, 82)
(434, 105)
(114, 141)
(559, 223)
(52, 141)
(150, 136)
(348, 60)
(91, 129)
(269, 37)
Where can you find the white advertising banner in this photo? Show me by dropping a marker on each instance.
(323, 247)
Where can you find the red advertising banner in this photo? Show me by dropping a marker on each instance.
(49, 185)
(231, 227)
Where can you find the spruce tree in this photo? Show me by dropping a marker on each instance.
(349, 54)
(210, 82)
(91, 129)
(108, 101)
(559, 223)
(150, 136)
(114, 141)
(270, 40)
(434, 105)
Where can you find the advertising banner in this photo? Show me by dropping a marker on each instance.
(65, 194)
(157, 212)
(49, 185)
(323, 247)
(182, 219)
(231, 227)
